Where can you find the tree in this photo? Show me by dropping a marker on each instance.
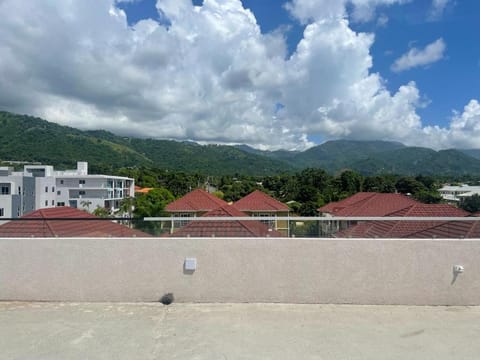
(351, 182)
(408, 185)
(151, 204)
(382, 184)
(102, 212)
(86, 204)
(428, 197)
(471, 203)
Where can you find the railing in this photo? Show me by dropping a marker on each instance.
(245, 226)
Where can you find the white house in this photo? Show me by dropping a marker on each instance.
(455, 194)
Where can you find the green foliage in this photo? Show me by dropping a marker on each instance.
(102, 212)
(25, 138)
(236, 188)
(351, 182)
(471, 204)
(152, 204)
(428, 197)
(378, 183)
(408, 185)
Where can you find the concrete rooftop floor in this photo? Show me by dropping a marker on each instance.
(236, 331)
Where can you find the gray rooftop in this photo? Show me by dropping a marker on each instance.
(236, 331)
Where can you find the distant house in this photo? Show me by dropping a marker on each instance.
(368, 204)
(455, 194)
(226, 228)
(194, 204)
(417, 228)
(259, 204)
(362, 204)
(65, 222)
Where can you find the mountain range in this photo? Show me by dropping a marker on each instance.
(27, 138)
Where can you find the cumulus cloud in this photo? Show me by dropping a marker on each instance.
(363, 10)
(464, 131)
(437, 8)
(209, 75)
(415, 57)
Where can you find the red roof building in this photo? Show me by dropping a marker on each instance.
(258, 201)
(416, 228)
(368, 204)
(226, 228)
(196, 201)
(260, 204)
(65, 222)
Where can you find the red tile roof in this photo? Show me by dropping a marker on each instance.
(416, 229)
(195, 201)
(369, 204)
(51, 224)
(226, 228)
(259, 201)
(141, 190)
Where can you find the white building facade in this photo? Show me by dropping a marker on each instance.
(40, 186)
(455, 194)
(17, 193)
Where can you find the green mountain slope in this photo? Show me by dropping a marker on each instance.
(471, 152)
(416, 160)
(26, 138)
(340, 154)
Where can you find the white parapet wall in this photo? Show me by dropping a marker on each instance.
(325, 271)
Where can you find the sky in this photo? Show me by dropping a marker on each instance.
(272, 74)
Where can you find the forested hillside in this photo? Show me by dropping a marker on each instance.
(26, 138)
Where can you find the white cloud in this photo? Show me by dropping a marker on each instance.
(210, 76)
(437, 8)
(363, 10)
(382, 20)
(415, 57)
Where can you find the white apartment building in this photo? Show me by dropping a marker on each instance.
(40, 186)
(78, 189)
(455, 194)
(17, 193)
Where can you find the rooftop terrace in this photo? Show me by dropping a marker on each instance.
(236, 331)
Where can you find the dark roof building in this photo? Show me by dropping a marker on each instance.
(65, 222)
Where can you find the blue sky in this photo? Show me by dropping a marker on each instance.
(268, 73)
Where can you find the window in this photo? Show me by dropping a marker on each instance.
(186, 216)
(269, 223)
(81, 182)
(53, 188)
(61, 182)
(81, 192)
(59, 192)
(5, 190)
(2, 212)
(46, 188)
(46, 202)
(60, 204)
(53, 202)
